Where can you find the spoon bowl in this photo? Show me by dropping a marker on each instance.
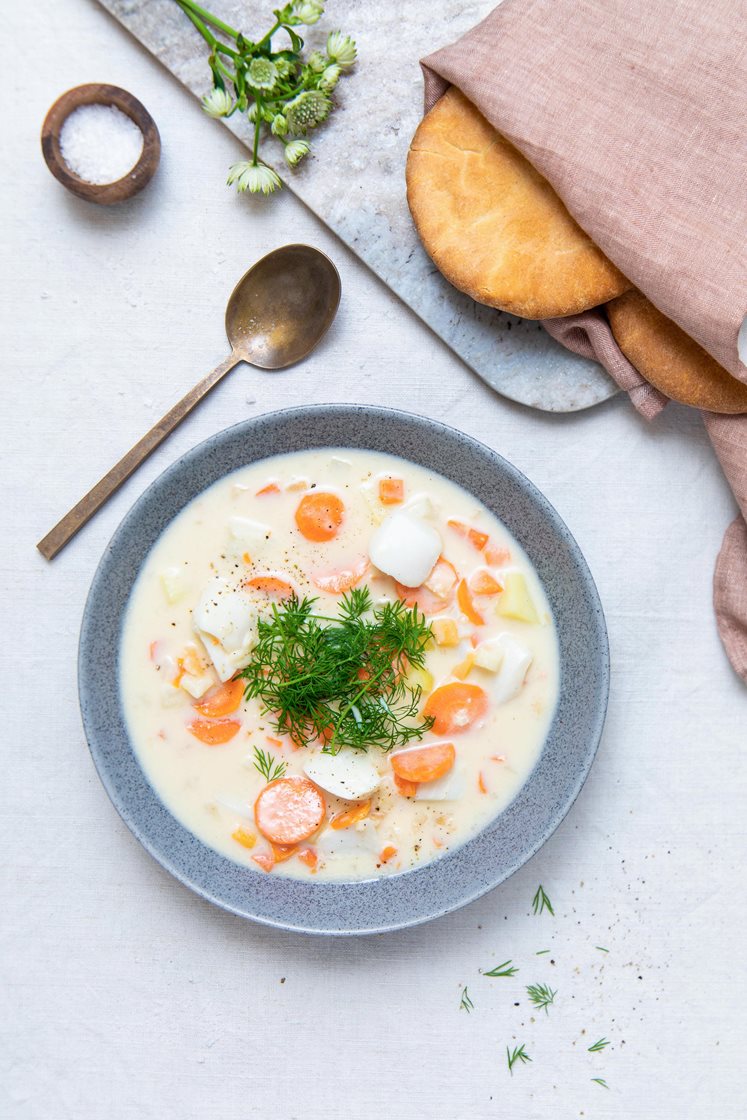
(278, 312)
(282, 307)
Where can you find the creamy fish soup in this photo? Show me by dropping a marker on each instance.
(337, 664)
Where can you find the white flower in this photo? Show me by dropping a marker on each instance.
(341, 49)
(330, 78)
(316, 61)
(252, 111)
(306, 111)
(307, 11)
(262, 74)
(256, 178)
(217, 103)
(295, 150)
(279, 125)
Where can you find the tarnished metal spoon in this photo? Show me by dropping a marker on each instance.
(276, 315)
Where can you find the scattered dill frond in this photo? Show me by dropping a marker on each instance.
(465, 1003)
(541, 996)
(601, 948)
(341, 681)
(265, 762)
(601, 1081)
(541, 952)
(541, 902)
(505, 969)
(518, 1054)
(599, 1045)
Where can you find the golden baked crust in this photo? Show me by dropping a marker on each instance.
(672, 361)
(494, 226)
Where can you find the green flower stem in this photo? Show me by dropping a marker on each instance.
(269, 34)
(206, 33)
(224, 69)
(208, 17)
(257, 130)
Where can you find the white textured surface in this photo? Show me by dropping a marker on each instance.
(357, 182)
(126, 997)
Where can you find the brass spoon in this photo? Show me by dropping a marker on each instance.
(276, 315)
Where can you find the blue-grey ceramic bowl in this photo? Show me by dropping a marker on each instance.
(371, 906)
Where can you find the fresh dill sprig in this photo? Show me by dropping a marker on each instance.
(541, 996)
(267, 766)
(505, 969)
(601, 1081)
(465, 1003)
(341, 681)
(599, 1045)
(541, 902)
(518, 1054)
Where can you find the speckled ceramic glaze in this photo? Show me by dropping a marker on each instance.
(372, 906)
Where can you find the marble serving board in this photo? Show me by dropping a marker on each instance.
(355, 183)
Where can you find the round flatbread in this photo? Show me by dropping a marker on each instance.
(494, 226)
(672, 361)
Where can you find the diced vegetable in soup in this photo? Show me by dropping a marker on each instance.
(337, 665)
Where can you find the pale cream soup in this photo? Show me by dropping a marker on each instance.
(490, 679)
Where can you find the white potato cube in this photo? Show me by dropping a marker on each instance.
(405, 547)
(515, 600)
(196, 686)
(420, 506)
(174, 584)
(516, 661)
(248, 532)
(489, 655)
(348, 774)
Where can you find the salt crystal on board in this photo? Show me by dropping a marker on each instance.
(100, 143)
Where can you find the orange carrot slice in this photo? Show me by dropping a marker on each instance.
(387, 853)
(466, 606)
(497, 557)
(213, 732)
(483, 583)
(456, 707)
(223, 700)
(405, 787)
(442, 578)
(282, 852)
(309, 857)
(436, 594)
(481, 783)
(265, 860)
(476, 537)
(424, 764)
(270, 488)
(289, 810)
(391, 491)
(246, 839)
(351, 816)
(269, 586)
(343, 579)
(319, 516)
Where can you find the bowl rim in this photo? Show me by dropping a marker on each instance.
(87, 685)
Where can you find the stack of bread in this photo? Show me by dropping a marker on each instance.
(497, 231)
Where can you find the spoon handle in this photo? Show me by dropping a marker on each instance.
(66, 529)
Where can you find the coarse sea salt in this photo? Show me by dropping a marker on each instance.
(100, 143)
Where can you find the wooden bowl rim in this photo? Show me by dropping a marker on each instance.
(98, 93)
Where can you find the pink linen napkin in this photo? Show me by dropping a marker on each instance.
(636, 113)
